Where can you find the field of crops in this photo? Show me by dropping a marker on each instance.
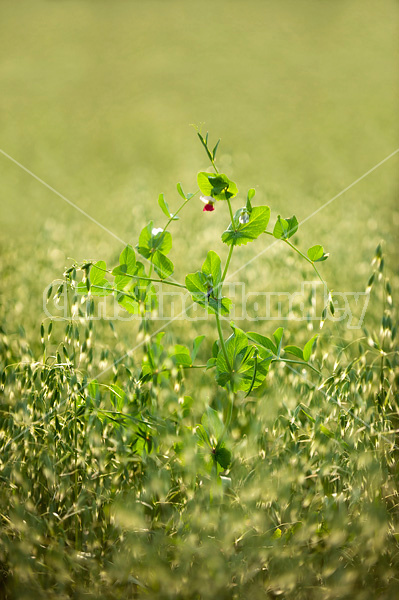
(201, 405)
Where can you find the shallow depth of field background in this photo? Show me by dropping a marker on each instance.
(97, 98)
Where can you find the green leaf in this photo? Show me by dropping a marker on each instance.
(204, 142)
(215, 149)
(128, 258)
(200, 287)
(217, 186)
(326, 432)
(97, 272)
(278, 336)
(93, 389)
(307, 351)
(263, 341)
(165, 208)
(196, 344)
(150, 242)
(162, 265)
(241, 233)
(99, 286)
(117, 396)
(203, 437)
(129, 303)
(180, 191)
(223, 457)
(140, 291)
(250, 195)
(127, 264)
(295, 350)
(211, 363)
(212, 266)
(141, 286)
(285, 228)
(315, 253)
(219, 306)
(242, 364)
(181, 356)
(196, 284)
(276, 534)
(213, 425)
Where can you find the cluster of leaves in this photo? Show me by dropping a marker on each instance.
(240, 366)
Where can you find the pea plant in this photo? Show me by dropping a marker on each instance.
(241, 362)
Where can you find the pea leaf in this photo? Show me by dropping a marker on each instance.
(129, 303)
(117, 397)
(128, 258)
(212, 266)
(139, 292)
(196, 284)
(307, 351)
(285, 228)
(181, 356)
(203, 437)
(262, 341)
(203, 286)
(239, 373)
(151, 239)
(211, 363)
(127, 264)
(213, 425)
(251, 194)
(239, 233)
(316, 253)
(183, 194)
(223, 457)
(217, 186)
(196, 344)
(162, 265)
(278, 336)
(295, 350)
(165, 208)
(99, 285)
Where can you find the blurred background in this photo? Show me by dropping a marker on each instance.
(97, 98)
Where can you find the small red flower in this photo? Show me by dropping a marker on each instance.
(209, 203)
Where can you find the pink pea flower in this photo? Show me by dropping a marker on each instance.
(209, 203)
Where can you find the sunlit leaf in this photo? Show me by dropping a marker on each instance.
(217, 186)
(239, 233)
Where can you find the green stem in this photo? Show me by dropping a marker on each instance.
(222, 341)
(214, 166)
(179, 209)
(302, 255)
(227, 265)
(231, 214)
(174, 283)
(307, 260)
(145, 329)
(297, 362)
(228, 420)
